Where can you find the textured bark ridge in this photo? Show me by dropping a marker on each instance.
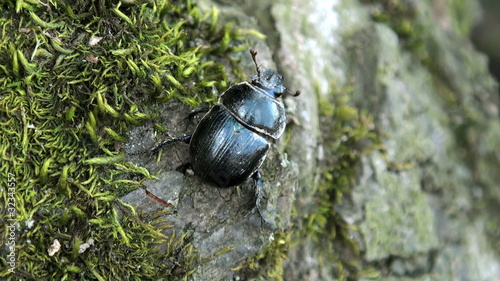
(421, 205)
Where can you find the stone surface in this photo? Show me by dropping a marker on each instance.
(422, 210)
(426, 209)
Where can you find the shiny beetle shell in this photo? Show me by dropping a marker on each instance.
(231, 141)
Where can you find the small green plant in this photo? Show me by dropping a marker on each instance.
(75, 76)
(269, 263)
(348, 134)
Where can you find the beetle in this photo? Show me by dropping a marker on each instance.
(231, 141)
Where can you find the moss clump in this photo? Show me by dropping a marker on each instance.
(400, 16)
(268, 265)
(74, 77)
(348, 135)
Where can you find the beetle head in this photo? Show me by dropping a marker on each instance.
(269, 80)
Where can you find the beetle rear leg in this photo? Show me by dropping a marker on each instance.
(257, 182)
(256, 200)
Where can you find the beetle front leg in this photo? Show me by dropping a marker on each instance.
(168, 143)
(196, 112)
(162, 145)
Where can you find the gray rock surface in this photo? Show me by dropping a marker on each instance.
(425, 209)
(216, 219)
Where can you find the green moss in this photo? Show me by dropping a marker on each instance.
(461, 16)
(75, 76)
(348, 134)
(406, 209)
(268, 265)
(401, 16)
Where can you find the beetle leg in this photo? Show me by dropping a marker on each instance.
(196, 112)
(257, 181)
(162, 145)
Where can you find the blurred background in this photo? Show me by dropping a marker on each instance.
(486, 35)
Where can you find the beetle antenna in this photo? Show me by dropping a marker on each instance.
(254, 54)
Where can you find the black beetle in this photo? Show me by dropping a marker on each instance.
(231, 141)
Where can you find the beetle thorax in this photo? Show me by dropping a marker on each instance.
(255, 108)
